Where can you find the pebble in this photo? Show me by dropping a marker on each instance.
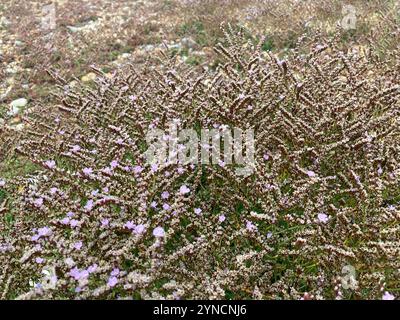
(17, 105)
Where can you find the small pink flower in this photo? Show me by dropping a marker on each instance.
(105, 222)
(266, 157)
(184, 190)
(159, 232)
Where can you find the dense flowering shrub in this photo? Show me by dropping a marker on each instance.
(97, 222)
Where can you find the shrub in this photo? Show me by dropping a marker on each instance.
(97, 222)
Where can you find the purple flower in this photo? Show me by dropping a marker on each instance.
(129, 225)
(115, 272)
(2, 183)
(87, 171)
(154, 167)
(180, 170)
(165, 195)
(221, 218)
(114, 164)
(159, 232)
(70, 214)
(105, 222)
(322, 217)
(39, 260)
(112, 281)
(153, 204)
(65, 220)
(197, 211)
(166, 206)
(250, 226)
(92, 268)
(266, 157)
(89, 205)
(44, 232)
(139, 229)
(75, 148)
(78, 245)
(73, 223)
(137, 169)
(311, 173)
(50, 164)
(269, 235)
(53, 190)
(388, 296)
(183, 189)
(38, 202)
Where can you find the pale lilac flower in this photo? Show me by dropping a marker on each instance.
(139, 229)
(105, 190)
(380, 170)
(166, 206)
(322, 217)
(43, 232)
(391, 207)
(183, 189)
(94, 193)
(137, 169)
(197, 211)
(153, 204)
(165, 195)
(250, 226)
(266, 157)
(53, 190)
(73, 223)
(92, 268)
(159, 232)
(89, 205)
(180, 170)
(78, 245)
(105, 222)
(70, 214)
(114, 164)
(154, 167)
(2, 183)
(87, 171)
(75, 148)
(112, 281)
(39, 260)
(269, 235)
(115, 272)
(129, 225)
(388, 296)
(65, 220)
(107, 170)
(221, 218)
(311, 173)
(38, 202)
(132, 98)
(50, 164)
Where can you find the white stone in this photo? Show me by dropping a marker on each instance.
(17, 105)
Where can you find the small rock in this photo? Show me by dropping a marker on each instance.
(188, 43)
(17, 105)
(89, 77)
